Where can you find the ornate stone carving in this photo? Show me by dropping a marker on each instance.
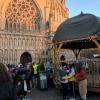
(22, 14)
(19, 19)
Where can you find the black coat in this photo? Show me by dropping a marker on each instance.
(7, 91)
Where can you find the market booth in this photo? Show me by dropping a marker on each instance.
(79, 33)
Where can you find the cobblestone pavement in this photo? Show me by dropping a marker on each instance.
(52, 95)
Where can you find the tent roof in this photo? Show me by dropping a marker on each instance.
(98, 18)
(78, 27)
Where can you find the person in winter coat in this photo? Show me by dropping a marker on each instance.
(63, 82)
(82, 81)
(67, 78)
(7, 90)
(70, 77)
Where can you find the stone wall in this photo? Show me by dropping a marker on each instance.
(23, 27)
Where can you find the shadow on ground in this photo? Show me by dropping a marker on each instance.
(51, 94)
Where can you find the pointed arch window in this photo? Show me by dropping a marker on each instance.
(24, 12)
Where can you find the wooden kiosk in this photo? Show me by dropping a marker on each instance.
(78, 33)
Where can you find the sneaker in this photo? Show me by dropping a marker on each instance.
(72, 99)
(26, 98)
(28, 91)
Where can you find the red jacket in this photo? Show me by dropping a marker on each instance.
(81, 75)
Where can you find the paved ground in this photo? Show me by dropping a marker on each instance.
(52, 95)
(93, 96)
(44, 95)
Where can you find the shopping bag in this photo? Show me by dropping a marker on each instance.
(25, 85)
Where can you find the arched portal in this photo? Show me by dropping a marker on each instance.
(25, 58)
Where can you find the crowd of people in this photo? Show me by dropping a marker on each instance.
(17, 81)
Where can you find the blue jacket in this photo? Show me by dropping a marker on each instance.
(62, 73)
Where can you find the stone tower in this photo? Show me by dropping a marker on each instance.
(23, 28)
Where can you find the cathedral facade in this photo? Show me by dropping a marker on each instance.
(24, 25)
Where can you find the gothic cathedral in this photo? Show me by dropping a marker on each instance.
(24, 25)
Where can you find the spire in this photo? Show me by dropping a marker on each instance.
(63, 2)
(82, 13)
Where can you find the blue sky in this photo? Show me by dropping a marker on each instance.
(87, 6)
